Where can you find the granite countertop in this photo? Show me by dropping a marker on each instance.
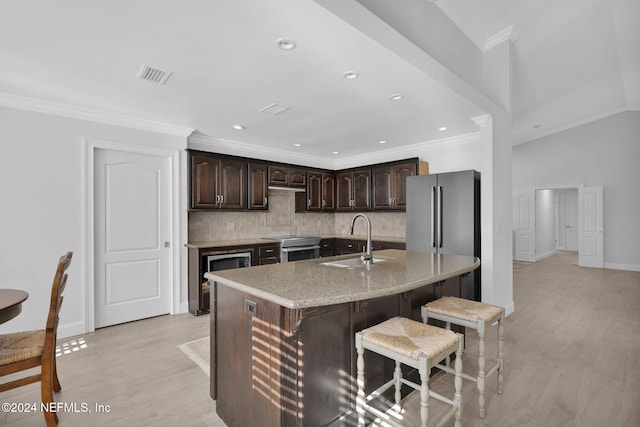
(307, 283)
(261, 240)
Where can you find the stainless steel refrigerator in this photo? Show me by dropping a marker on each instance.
(443, 216)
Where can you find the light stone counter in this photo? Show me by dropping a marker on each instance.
(307, 283)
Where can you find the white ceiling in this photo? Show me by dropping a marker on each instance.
(574, 60)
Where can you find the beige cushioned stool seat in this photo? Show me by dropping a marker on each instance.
(465, 309)
(410, 338)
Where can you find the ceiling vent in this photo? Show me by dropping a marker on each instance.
(274, 109)
(153, 75)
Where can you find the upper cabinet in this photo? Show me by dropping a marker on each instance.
(353, 190)
(389, 184)
(227, 182)
(257, 186)
(320, 191)
(286, 176)
(217, 182)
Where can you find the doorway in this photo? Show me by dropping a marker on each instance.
(131, 227)
(569, 218)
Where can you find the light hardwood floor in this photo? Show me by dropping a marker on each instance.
(572, 350)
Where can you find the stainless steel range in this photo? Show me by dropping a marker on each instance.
(295, 248)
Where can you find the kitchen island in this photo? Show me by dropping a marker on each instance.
(282, 351)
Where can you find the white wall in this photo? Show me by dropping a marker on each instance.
(42, 211)
(605, 153)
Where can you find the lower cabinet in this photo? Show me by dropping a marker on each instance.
(198, 286)
(297, 367)
(268, 254)
(355, 246)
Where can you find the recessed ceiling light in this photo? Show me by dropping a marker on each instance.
(297, 145)
(238, 127)
(286, 44)
(335, 152)
(442, 128)
(382, 142)
(351, 75)
(396, 97)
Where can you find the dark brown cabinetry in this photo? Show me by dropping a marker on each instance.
(321, 191)
(389, 184)
(353, 246)
(286, 176)
(353, 190)
(257, 186)
(217, 182)
(327, 247)
(268, 254)
(303, 372)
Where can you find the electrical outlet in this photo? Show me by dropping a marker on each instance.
(251, 307)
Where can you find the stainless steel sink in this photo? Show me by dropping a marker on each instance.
(352, 262)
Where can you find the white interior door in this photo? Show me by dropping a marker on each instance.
(571, 223)
(525, 232)
(590, 227)
(132, 236)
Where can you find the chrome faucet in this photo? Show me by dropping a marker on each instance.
(367, 257)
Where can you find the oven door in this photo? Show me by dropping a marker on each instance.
(297, 253)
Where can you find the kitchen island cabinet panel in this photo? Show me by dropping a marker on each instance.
(294, 347)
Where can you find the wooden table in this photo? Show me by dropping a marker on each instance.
(11, 303)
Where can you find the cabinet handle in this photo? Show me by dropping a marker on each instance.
(269, 251)
(217, 199)
(308, 202)
(265, 202)
(323, 203)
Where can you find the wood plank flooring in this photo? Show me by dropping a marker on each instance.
(572, 352)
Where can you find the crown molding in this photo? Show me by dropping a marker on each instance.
(481, 121)
(499, 37)
(406, 151)
(80, 113)
(224, 146)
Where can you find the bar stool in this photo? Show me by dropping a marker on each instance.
(415, 344)
(474, 315)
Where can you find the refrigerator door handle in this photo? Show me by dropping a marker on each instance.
(433, 216)
(440, 216)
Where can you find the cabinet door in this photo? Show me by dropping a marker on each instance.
(314, 191)
(344, 190)
(327, 247)
(362, 190)
(297, 178)
(328, 192)
(399, 175)
(232, 184)
(257, 189)
(278, 175)
(204, 181)
(382, 188)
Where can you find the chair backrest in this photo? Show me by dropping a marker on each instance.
(59, 282)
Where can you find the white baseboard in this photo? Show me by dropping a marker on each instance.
(509, 308)
(616, 266)
(71, 329)
(545, 255)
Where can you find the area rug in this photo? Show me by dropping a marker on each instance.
(198, 351)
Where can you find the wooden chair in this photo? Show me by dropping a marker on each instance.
(25, 350)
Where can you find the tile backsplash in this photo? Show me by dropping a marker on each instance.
(281, 219)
